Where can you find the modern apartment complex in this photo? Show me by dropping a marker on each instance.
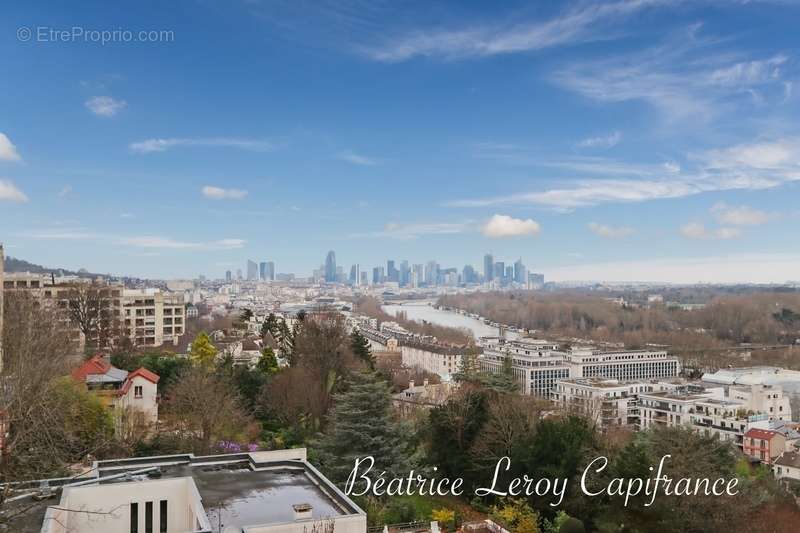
(149, 317)
(538, 364)
(152, 317)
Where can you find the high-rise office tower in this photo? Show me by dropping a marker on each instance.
(377, 275)
(363, 278)
(432, 273)
(228, 276)
(520, 275)
(270, 271)
(330, 267)
(239, 273)
(468, 274)
(262, 270)
(499, 270)
(405, 273)
(392, 274)
(488, 267)
(252, 270)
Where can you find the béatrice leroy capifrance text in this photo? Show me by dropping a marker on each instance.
(364, 480)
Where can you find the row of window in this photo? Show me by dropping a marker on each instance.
(148, 517)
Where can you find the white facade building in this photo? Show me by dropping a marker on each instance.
(538, 364)
(257, 492)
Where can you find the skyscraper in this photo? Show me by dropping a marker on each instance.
(488, 267)
(228, 276)
(354, 274)
(391, 271)
(252, 270)
(270, 271)
(499, 271)
(330, 267)
(405, 273)
(377, 275)
(520, 275)
(262, 270)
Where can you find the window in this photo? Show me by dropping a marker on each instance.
(148, 517)
(134, 518)
(137, 391)
(162, 518)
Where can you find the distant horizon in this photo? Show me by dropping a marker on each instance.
(709, 271)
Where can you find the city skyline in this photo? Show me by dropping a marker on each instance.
(623, 141)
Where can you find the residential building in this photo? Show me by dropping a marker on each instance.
(417, 397)
(152, 317)
(763, 445)
(608, 402)
(124, 392)
(539, 364)
(787, 467)
(728, 412)
(258, 492)
(61, 292)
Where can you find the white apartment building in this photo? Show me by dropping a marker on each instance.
(608, 402)
(540, 364)
(624, 365)
(433, 358)
(728, 412)
(258, 492)
(152, 317)
(537, 365)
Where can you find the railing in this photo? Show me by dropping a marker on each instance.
(407, 527)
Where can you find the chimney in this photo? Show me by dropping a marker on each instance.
(302, 511)
(425, 382)
(411, 384)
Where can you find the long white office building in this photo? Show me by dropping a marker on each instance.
(539, 364)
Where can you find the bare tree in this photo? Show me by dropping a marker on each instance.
(204, 406)
(90, 307)
(37, 351)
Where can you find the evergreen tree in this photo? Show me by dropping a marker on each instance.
(270, 326)
(268, 363)
(360, 425)
(203, 353)
(361, 348)
(503, 381)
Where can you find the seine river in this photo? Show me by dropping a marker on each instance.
(424, 310)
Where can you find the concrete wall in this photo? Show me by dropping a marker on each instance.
(115, 499)
(342, 524)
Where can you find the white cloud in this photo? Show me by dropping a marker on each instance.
(218, 193)
(151, 241)
(585, 23)
(143, 241)
(105, 106)
(686, 78)
(607, 141)
(609, 232)
(162, 145)
(755, 166)
(9, 192)
(8, 152)
(505, 226)
(412, 231)
(695, 230)
(741, 215)
(356, 159)
(672, 167)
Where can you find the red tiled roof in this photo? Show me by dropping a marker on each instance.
(95, 365)
(756, 433)
(143, 372)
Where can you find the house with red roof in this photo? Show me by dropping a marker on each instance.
(763, 445)
(130, 394)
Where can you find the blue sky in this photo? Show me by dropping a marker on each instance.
(649, 140)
